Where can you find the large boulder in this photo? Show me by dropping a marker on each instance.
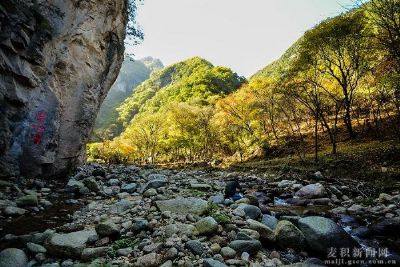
(71, 244)
(322, 234)
(58, 61)
(311, 191)
(13, 257)
(183, 205)
(289, 236)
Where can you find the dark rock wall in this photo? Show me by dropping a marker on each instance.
(58, 59)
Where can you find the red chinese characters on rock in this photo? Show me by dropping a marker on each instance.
(38, 127)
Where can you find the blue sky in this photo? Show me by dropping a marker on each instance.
(243, 35)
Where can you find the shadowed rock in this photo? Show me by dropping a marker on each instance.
(58, 60)
(322, 233)
(71, 244)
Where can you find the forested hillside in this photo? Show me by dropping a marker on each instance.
(276, 68)
(133, 72)
(338, 82)
(169, 114)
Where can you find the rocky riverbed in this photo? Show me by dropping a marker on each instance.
(133, 216)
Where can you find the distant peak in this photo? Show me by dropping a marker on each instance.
(152, 63)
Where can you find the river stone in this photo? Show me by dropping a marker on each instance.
(5, 203)
(28, 200)
(91, 183)
(168, 263)
(124, 251)
(130, 188)
(248, 211)
(92, 253)
(201, 187)
(387, 227)
(207, 226)
(215, 248)
(13, 257)
(107, 228)
(36, 248)
(264, 231)
(139, 224)
(184, 206)
(243, 236)
(195, 246)
(113, 182)
(228, 253)
(171, 253)
(121, 206)
(74, 186)
(243, 201)
(179, 229)
(14, 211)
(149, 260)
(322, 233)
(156, 176)
(269, 221)
(385, 198)
(289, 236)
(156, 183)
(313, 262)
(249, 246)
(71, 244)
(5, 183)
(356, 209)
(54, 264)
(311, 191)
(285, 183)
(99, 172)
(40, 238)
(217, 199)
(213, 263)
(152, 247)
(291, 218)
(150, 192)
(247, 234)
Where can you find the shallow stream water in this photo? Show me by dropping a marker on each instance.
(57, 215)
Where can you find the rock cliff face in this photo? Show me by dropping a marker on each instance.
(58, 59)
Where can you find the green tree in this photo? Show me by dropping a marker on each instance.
(341, 50)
